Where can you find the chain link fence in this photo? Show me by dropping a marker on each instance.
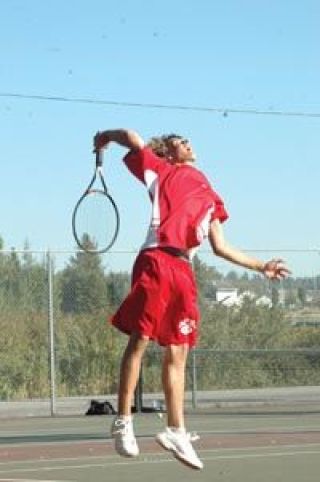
(57, 350)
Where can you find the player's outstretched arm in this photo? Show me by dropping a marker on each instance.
(273, 269)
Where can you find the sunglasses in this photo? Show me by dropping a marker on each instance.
(184, 142)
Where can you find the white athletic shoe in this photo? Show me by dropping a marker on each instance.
(125, 441)
(179, 443)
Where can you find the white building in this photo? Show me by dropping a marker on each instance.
(227, 296)
(230, 297)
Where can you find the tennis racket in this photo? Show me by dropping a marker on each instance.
(95, 219)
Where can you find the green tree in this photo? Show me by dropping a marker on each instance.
(274, 296)
(232, 276)
(206, 277)
(301, 295)
(10, 269)
(83, 285)
(33, 282)
(118, 285)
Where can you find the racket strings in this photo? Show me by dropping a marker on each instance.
(96, 221)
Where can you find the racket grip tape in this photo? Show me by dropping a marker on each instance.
(99, 157)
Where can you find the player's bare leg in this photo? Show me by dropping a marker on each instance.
(173, 380)
(122, 428)
(129, 372)
(174, 437)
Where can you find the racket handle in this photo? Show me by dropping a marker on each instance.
(99, 157)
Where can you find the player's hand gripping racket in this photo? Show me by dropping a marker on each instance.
(95, 219)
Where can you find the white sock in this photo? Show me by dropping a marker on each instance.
(125, 418)
(177, 430)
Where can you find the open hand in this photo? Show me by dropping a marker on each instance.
(275, 269)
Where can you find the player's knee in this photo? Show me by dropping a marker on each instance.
(177, 354)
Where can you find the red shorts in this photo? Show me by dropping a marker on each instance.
(162, 303)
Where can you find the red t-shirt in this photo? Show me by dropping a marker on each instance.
(183, 202)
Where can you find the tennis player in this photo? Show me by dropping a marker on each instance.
(162, 303)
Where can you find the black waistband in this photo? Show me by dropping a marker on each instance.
(178, 253)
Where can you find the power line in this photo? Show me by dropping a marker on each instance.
(220, 110)
(282, 249)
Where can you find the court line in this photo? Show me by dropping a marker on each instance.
(107, 439)
(164, 460)
(159, 454)
(199, 420)
(261, 430)
(106, 436)
(31, 480)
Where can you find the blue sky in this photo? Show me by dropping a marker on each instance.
(241, 55)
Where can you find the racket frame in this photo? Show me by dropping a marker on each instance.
(97, 173)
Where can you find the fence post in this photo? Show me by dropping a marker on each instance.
(138, 394)
(194, 379)
(52, 371)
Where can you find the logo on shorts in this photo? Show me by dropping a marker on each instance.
(187, 326)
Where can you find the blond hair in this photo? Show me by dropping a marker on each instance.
(159, 144)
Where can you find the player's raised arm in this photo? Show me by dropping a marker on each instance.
(124, 137)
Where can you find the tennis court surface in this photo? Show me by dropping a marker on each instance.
(246, 445)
